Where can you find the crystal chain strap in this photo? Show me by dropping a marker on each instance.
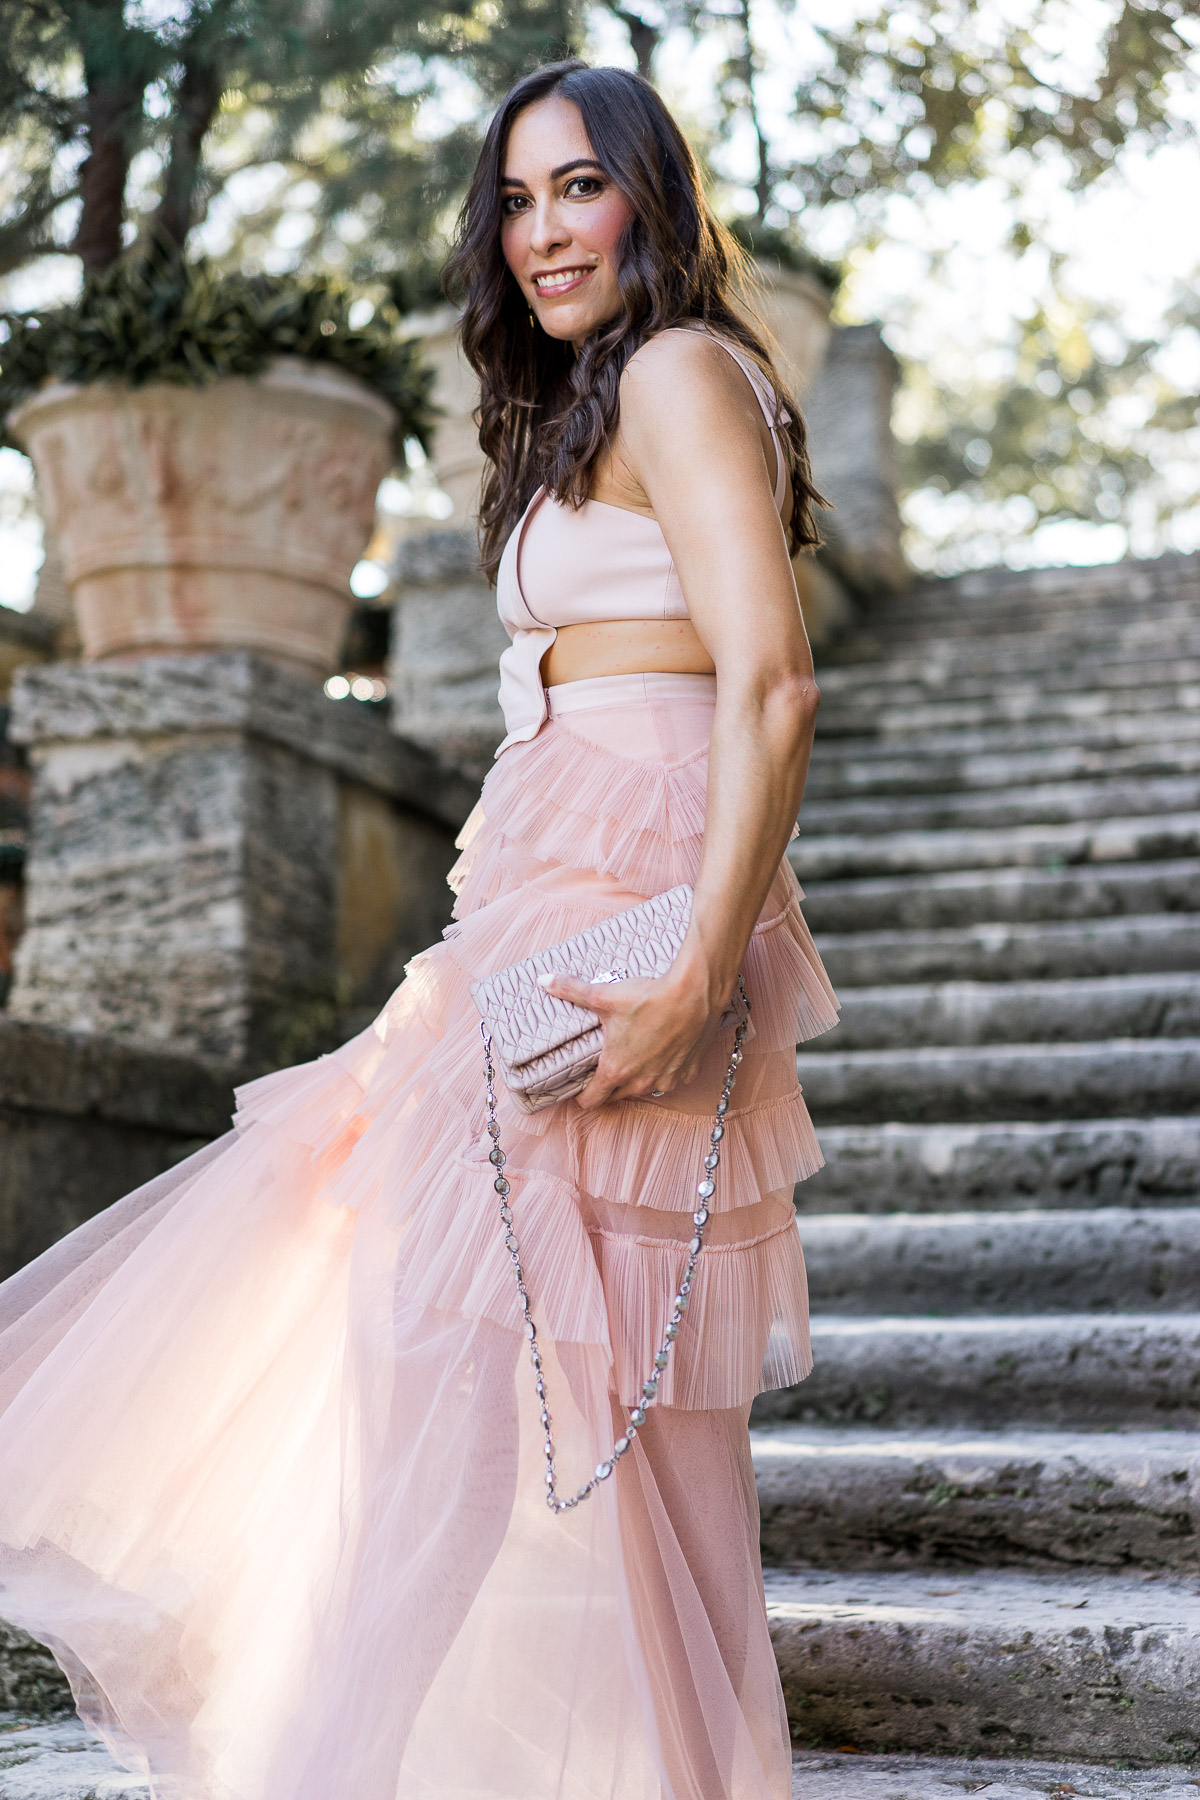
(704, 1193)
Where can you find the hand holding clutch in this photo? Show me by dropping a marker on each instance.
(547, 1048)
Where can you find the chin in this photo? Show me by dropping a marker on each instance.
(568, 329)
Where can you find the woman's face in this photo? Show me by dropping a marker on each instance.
(562, 219)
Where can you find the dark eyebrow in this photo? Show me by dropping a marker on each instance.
(581, 162)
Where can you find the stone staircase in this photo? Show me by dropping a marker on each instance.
(980, 1513)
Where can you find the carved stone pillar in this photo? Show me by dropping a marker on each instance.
(849, 411)
(795, 309)
(446, 641)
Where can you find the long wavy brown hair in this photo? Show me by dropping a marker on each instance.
(546, 414)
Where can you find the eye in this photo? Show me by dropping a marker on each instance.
(593, 183)
(508, 205)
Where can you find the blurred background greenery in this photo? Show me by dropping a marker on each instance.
(1010, 186)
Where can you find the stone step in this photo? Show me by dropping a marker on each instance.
(902, 1016)
(1064, 1164)
(896, 718)
(840, 855)
(1116, 1259)
(1053, 624)
(1114, 1077)
(928, 662)
(1099, 1667)
(923, 769)
(1109, 616)
(1132, 580)
(1110, 731)
(837, 855)
(1129, 586)
(59, 1760)
(897, 714)
(1071, 1370)
(1112, 627)
(1135, 577)
(937, 652)
(56, 1759)
(1162, 943)
(983, 669)
(991, 899)
(863, 1499)
(1091, 627)
(1043, 803)
(1131, 583)
(851, 1774)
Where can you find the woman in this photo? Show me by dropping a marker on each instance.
(272, 1461)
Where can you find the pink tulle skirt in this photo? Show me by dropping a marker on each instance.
(270, 1463)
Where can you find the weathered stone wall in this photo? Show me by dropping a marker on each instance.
(222, 862)
(24, 638)
(84, 1120)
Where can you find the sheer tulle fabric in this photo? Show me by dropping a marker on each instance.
(271, 1470)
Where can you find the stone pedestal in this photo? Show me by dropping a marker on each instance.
(222, 862)
(795, 309)
(458, 459)
(446, 641)
(849, 413)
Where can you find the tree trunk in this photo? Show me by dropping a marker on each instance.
(102, 182)
(197, 98)
(116, 68)
(763, 184)
(643, 37)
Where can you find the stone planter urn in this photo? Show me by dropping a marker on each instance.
(217, 518)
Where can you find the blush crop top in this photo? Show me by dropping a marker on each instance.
(596, 563)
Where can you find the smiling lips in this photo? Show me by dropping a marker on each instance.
(559, 279)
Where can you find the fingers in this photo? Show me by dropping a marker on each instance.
(596, 996)
(607, 1084)
(598, 1092)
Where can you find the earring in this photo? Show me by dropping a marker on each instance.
(532, 320)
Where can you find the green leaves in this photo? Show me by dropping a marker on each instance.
(943, 91)
(154, 317)
(331, 87)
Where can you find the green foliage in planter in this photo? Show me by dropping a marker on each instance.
(153, 317)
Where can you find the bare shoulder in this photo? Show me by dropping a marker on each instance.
(684, 372)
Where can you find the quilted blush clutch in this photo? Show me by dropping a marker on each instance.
(548, 1049)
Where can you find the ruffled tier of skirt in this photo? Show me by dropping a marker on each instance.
(565, 807)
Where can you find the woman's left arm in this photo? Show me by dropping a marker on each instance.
(690, 433)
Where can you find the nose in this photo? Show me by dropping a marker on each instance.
(550, 230)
